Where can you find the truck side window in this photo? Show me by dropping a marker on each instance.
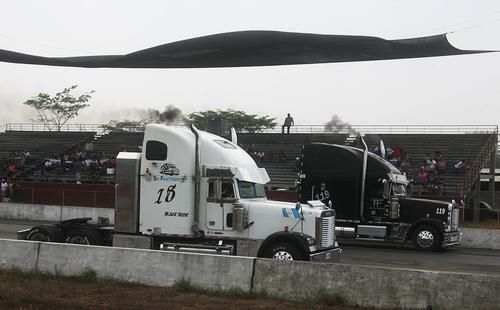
(156, 150)
(212, 191)
(227, 189)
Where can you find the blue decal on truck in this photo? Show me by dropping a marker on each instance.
(296, 213)
(285, 214)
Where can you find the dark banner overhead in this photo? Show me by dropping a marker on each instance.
(255, 48)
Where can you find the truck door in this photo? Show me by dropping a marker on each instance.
(220, 199)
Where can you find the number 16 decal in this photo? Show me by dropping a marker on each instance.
(169, 196)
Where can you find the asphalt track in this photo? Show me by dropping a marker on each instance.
(454, 259)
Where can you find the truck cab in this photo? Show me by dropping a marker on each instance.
(371, 200)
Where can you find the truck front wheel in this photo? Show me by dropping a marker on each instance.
(284, 252)
(426, 238)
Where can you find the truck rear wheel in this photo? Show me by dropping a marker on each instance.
(87, 236)
(426, 238)
(45, 234)
(284, 252)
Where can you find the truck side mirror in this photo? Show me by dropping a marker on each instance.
(297, 206)
(387, 188)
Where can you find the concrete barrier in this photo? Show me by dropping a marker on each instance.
(158, 268)
(21, 255)
(378, 287)
(480, 238)
(22, 211)
(368, 286)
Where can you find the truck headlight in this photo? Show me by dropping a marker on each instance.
(311, 241)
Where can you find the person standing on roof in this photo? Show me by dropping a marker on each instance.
(288, 123)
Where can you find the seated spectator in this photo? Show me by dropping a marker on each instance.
(460, 167)
(95, 172)
(388, 152)
(441, 166)
(413, 176)
(405, 164)
(261, 156)
(11, 188)
(430, 165)
(397, 152)
(437, 155)
(3, 188)
(12, 169)
(396, 162)
(422, 177)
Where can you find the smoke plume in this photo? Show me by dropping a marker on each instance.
(171, 115)
(337, 125)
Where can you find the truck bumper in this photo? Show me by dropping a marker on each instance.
(330, 255)
(452, 238)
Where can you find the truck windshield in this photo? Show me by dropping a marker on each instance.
(399, 189)
(251, 190)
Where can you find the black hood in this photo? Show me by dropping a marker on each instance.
(417, 202)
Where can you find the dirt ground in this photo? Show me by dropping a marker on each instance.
(37, 291)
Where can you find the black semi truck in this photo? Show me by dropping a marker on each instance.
(370, 198)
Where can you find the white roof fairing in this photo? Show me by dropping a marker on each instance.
(240, 162)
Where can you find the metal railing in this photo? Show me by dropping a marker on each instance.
(474, 171)
(44, 127)
(388, 129)
(342, 129)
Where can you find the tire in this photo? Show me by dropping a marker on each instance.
(284, 252)
(426, 238)
(45, 234)
(85, 236)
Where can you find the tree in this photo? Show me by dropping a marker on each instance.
(172, 115)
(241, 121)
(55, 111)
(125, 125)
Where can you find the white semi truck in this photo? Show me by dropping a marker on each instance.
(190, 190)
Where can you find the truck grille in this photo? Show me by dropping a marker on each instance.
(327, 231)
(454, 219)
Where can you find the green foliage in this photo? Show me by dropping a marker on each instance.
(88, 275)
(125, 125)
(185, 285)
(55, 111)
(241, 121)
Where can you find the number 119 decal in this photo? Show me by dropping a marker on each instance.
(170, 195)
(440, 211)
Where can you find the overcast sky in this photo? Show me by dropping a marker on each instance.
(440, 90)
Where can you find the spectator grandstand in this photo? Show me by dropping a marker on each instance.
(276, 152)
(40, 145)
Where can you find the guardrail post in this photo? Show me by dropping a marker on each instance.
(476, 196)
